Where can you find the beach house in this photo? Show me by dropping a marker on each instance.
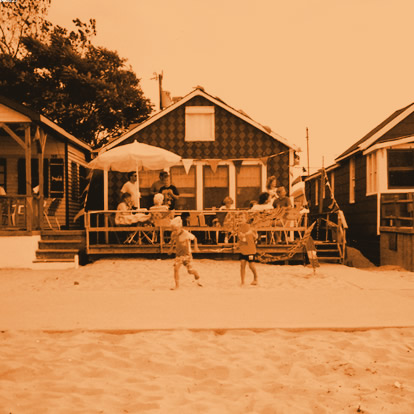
(43, 172)
(373, 183)
(224, 153)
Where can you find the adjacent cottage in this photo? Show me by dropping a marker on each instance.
(224, 151)
(373, 183)
(43, 172)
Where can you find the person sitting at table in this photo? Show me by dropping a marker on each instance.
(131, 187)
(263, 203)
(283, 200)
(227, 204)
(159, 203)
(124, 216)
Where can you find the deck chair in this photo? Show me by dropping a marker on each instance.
(161, 219)
(291, 221)
(49, 211)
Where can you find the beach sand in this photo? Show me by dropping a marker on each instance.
(202, 370)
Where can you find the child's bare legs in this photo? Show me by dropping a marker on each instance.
(242, 271)
(194, 272)
(253, 269)
(177, 275)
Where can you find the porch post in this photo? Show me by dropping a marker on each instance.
(28, 156)
(41, 156)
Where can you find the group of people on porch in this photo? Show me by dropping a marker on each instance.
(165, 195)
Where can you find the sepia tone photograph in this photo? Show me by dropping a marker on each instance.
(206, 207)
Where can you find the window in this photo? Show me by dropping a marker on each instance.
(248, 184)
(199, 123)
(371, 173)
(3, 173)
(317, 191)
(56, 175)
(401, 168)
(352, 180)
(186, 185)
(216, 185)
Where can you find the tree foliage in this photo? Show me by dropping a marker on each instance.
(21, 19)
(87, 90)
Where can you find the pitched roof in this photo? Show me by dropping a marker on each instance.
(378, 131)
(40, 119)
(217, 101)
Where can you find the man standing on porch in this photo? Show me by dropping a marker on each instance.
(131, 187)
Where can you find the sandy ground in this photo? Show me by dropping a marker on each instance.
(71, 353)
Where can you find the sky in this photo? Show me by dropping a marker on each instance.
(335, 67)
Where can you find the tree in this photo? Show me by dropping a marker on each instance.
(85, 89)
(21, 19)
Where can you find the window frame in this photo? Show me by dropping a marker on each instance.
(389, 169)
(193, 111)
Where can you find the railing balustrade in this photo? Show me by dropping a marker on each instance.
(213, 228)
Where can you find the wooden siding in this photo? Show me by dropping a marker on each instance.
(76, 158)
(402, 129)
(361, 216)
(397, 249)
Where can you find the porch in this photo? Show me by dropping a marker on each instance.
(282, 234)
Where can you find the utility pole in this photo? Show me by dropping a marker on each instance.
(307, 145)
(158, 77)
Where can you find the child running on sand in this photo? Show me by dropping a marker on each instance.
(247, 244)
(181, 239)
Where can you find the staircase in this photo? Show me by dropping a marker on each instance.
(328, 252)
(60, 247)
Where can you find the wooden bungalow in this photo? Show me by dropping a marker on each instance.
(373, 183)
(43, 171)
(224, 151)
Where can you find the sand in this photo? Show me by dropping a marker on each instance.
(109, 365)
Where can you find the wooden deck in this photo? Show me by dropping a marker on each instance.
(276, 242)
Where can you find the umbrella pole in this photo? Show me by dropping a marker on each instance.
(138, 201)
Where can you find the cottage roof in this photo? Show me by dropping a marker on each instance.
(379, 133)
(198, 91)
(40, 119)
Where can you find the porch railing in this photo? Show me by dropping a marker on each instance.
(214, 229)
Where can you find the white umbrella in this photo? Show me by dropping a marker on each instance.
(135, 157)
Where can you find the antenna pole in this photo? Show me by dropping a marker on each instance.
(307, 145)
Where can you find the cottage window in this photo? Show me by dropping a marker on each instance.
(400, 168)
(199, 123)
(186, 185)
(371, 173)
(56, 177)
(248, 184)
(216, 185)
(352, 180)
(3, 173)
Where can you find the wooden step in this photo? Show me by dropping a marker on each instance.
(56, 253)
(60, 244)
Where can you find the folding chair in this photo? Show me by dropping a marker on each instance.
(291, 220)
(161, 219)
(50, 211)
